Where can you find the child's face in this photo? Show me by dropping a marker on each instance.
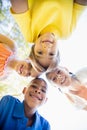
(35, 93)
(60, 76)
(45, 49)
(25, 68)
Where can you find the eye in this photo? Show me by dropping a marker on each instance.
(40, 52)
(39, 35)
(58, 71)
(51, 54)
(28, 74)
(54, 78)
(43, 90)
(29, 66)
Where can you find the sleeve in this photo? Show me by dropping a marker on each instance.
(77, 12)
(47, 126)
(23, 21)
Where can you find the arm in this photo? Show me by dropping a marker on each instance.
(19, 6)
(82, 92)
(7, 41)
(81, 2)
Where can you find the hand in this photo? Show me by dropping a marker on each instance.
(81, 2)
(82, 92)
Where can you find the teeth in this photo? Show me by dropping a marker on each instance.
(62, 81)
(35, 97)
(47, 41)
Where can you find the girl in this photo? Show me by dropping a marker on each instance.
(73, 86)
(8, 59)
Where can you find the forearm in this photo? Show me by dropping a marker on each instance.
(81, 2)
(19, 6)
(7, 41)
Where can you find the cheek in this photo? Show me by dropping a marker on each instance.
(17, 67)
(44, 99)
(50, 75)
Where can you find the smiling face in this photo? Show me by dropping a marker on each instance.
(36, 93)
(45, 49)
(60, 76)
(25, 68)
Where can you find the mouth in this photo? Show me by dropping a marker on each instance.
(20, 69)
(47, 41)
(35, 97)
(63, 81)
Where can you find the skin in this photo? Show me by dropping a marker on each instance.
(24, 68)
(7, 42)
(45, 49)
(43, 54)
(81, 2)
(35, 95)
(59, 76)
(24, 5)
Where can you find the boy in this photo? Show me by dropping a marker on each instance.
(16, 115)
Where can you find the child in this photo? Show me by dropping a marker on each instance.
(43, 22)
(8, 59)
(71, 85)
(45, 54)
(15, 115)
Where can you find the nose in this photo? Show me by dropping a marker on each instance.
(47, 45)
(59, 77)
(38, 91)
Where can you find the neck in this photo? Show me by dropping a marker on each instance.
(29, 112)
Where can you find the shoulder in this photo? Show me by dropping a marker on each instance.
(44, 122)
(5, 100)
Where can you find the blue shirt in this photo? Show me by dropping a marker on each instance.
(12, 116)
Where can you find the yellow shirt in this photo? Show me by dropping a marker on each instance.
(57, 16)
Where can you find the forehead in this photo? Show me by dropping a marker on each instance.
(39, 82)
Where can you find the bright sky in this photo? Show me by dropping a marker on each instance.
(61, 114)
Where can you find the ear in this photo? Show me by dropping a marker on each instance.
(24, 90)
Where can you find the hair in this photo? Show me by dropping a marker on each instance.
(73, 76)
(82, 74)
(38, 66)
(39, 78)
(34, 62)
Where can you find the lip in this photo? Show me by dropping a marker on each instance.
(47, 41)
(36, 97)
(65, 81)
(20, 68)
